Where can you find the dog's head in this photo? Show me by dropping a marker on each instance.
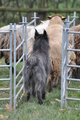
(43, 36)
(41, 41)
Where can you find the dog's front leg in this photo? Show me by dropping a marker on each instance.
(28, 94)
(39, 95)
(33, 89)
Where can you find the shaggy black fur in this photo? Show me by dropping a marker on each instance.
(37, 68)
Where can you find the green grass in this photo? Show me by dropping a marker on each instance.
(50, 110)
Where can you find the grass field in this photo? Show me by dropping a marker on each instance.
(50, 110)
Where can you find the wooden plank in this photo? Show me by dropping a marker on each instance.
(40, 10)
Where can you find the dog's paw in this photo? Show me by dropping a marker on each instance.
(40, 102)
(28, 97)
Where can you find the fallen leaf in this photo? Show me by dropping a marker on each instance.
(34, 107)
(52, 102)
(59, 113)
(38, 113)
(1, 116)
(61, 109)
(33, 114)
(7, 116)
(74, 95)
(7, 107)
(1, 84)
(24, 94)
(12, 109)
(6, 86)
(3, 92)
(58, 100)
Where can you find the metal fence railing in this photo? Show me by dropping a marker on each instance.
(24, 56)
(67, 79)
(3, 88)
(18, 54)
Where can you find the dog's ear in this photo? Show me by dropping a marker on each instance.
(45, 35)
(36, 33)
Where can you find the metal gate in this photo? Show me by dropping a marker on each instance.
(18, 55)
(18, 82)
(67, 77)
(8, 88)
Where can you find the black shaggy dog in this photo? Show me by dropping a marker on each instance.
(37, 68)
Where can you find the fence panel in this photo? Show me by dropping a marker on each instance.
(6, 82)
(18, 77)
(17, 38)
(70, 86)
(18, 57)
